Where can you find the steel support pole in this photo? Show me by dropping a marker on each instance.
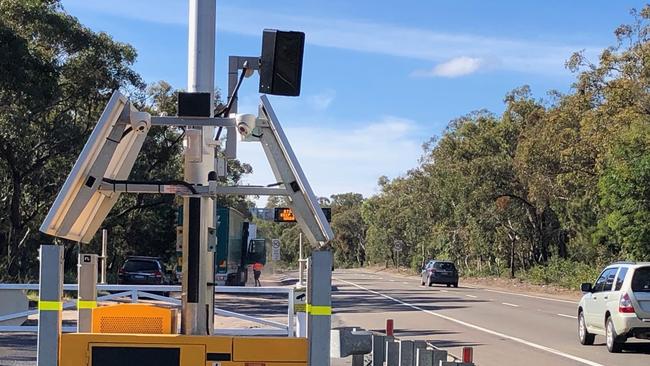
(198, 264)
(49, 305)
(87, 292)
(319, 307)
(104, 256)
(300, 262)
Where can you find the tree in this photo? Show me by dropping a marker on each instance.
(55, 78)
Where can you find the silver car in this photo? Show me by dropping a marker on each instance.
(617, 306)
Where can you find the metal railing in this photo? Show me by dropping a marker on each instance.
(134, 294)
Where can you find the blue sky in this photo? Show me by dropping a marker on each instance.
(379, 77)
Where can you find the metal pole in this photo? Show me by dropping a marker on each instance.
(198, 264)
(300, 262)
(87, 292)
(49, 305)
(319, 307)
(104, 256)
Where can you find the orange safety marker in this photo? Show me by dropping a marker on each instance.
(468, 354)
(389, 327)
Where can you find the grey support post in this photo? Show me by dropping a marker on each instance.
(378, 349)
(439, 356)
(87, 293)
(49, 305)
(197, 316)
(392, 353)
(406, 353)
(424, 357)
(319, 307)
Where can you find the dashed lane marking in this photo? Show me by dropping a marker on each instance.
(568, 316)
(472, 296)
(509, 304)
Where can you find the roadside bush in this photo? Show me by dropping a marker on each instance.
(562, 272)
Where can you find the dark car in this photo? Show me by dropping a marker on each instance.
(442, 272)
(143, 271)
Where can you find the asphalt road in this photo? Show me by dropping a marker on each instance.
(504, 328)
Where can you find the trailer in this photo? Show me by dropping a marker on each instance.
(237, 247)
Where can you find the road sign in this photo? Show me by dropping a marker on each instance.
(398, 245)
(299, 300)
(275, 249)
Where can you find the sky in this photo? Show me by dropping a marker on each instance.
(380, 77)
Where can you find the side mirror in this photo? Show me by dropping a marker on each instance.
(586, 287)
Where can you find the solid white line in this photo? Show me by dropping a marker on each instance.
(406, 283)
(568, 316)
(472, 296)
(509, 304)
(489, 331)
(531, 296)
(444, 291)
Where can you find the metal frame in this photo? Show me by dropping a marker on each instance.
(287, 169)
(138, 292)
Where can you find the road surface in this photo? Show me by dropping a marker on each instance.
(504, 328)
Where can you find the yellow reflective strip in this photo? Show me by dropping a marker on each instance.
(319, 310)
(86, 304)
(50, 305)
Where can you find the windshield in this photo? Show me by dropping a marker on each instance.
(641, 280)
(445, 266)
(133, 265)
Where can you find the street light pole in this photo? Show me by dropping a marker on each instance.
(198, 264)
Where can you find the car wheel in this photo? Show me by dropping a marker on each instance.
(456, 284)
(586, 338)
(612, 340)
(449, 285)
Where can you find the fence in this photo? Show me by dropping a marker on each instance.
(134, 293)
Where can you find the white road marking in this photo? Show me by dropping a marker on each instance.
(406, 283)
(568, 316)
(444, 290)
(509, 304)
(531, 296)
(473, 326)
(472, 296)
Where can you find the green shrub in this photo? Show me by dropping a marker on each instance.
(562, 272)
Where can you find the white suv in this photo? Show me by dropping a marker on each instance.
(617, 306)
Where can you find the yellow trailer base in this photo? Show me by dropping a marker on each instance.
(96, 349)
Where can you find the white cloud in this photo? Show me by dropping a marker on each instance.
(338, 160)
(321, 101)
(522, 55)
(459, 66)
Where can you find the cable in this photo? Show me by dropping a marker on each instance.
(126, 132)
(159, 183)
(226, 110)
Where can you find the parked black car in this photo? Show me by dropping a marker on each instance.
(138, 270)
(442, 272)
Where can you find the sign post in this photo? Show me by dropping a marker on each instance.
(398, 245)
(275, 250)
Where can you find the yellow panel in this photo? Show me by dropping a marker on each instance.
(266, 349)
(133, 319)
